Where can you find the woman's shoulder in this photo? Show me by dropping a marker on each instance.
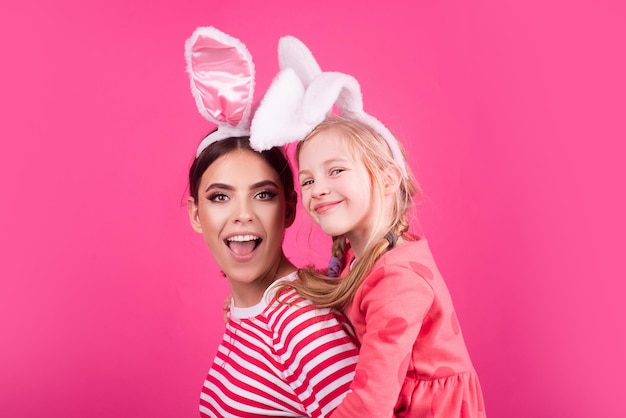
(284, 300)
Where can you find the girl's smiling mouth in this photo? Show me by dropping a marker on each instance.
(321, 208)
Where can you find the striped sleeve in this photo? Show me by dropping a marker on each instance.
(316, 352)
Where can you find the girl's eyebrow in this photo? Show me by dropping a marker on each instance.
(257, 185)
(331, 161)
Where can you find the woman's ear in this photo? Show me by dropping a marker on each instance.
(393, 178)
(194, 214)
(290, 210)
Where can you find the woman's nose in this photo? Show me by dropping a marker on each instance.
(243, 213)
(244, 217)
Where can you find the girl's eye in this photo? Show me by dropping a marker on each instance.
(266, 195)
(336, 171)
(218, 197)
(306, 183)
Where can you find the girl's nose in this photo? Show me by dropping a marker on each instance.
(319, 189)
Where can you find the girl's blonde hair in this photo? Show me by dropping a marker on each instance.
(366, 147)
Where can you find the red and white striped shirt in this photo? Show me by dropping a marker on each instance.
(281, 358)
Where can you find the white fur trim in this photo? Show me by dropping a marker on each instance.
(328, 89)
(224, 129)
(278, 119)
(292, 53)
(223, 132)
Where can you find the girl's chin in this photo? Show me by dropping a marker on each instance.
(332, 230)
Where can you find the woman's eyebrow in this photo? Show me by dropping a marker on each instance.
(257, 185)
(219, 186)
(263, 183)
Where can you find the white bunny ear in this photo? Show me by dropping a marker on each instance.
(327, 90)
(292, 53)
(278, 119)
(289, 111)
(221, 73)
(285, 115)
(302, 96)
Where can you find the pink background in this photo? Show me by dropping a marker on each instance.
(513, 113)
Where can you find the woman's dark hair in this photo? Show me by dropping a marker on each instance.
(275, 157)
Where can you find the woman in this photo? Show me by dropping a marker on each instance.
(280, 356)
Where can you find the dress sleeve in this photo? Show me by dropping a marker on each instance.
(393, 304)
(318, 355)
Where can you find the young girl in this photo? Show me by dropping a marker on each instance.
(280, 356)
(356, 185)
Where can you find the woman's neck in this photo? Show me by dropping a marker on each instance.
(249, 294)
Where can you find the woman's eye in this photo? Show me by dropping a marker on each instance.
(218, 197)
(266, 195)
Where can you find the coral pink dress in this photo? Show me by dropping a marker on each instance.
(413, 361)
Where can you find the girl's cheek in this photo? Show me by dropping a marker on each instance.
(305, 198)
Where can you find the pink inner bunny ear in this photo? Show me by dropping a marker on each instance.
(222, 76)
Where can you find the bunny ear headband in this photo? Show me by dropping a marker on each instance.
(301, 96)
(222, 82)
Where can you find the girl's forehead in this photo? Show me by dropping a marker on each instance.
(328, 146)
(330, 138)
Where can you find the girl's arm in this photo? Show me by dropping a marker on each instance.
(392, 304)
(318, 355)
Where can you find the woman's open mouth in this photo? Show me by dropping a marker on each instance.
(243, 245)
